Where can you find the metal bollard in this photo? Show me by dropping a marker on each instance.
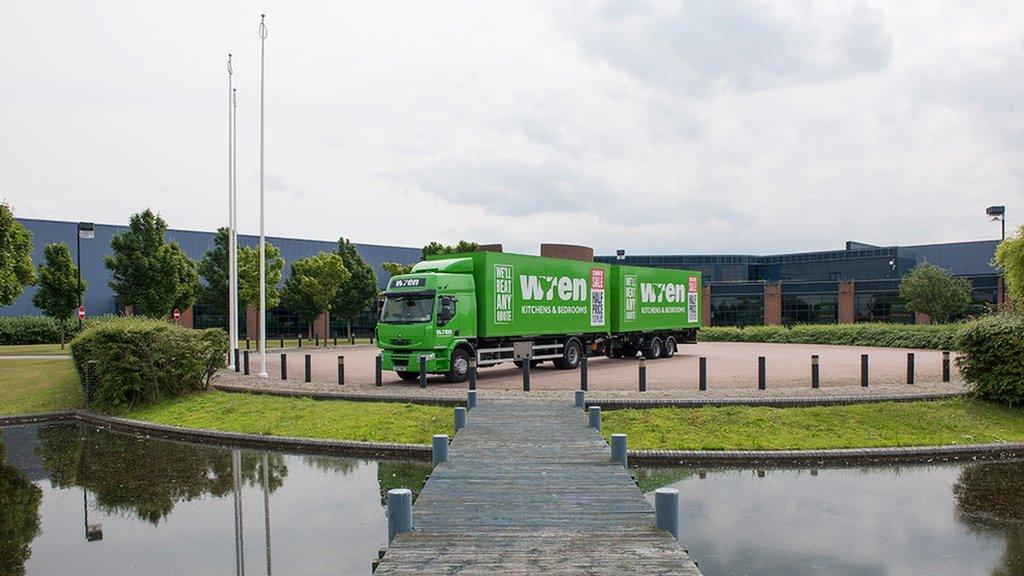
(300, 340)
(352, 339)
(238, 365)
(526, 375)
(284, 366)
(245, 362)
(282, 342)
(90, 381)
(471, 399)
(581, 399)
(761, 377)
(378, 377)
(594, 414)
(666, 510)
(910, 367)
(472, 373)
(619, 449)
(309, 367)
(423, 371)
(583, 374)
(945, 365)
(440, 449)
(317, 339)
(247, 343)
(399, 512)
(460, 418)
(703, 384)
(643, 374)
(815, 379)
(864, 370)
(341, 370)
(335, 340)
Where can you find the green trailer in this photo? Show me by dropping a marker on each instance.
(494, 307)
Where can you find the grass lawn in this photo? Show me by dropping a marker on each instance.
(888, 424)
(32, 349)
(38, 386)
(335, 419)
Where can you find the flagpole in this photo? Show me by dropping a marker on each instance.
(232, 308)
(263, 214)
(234, 220)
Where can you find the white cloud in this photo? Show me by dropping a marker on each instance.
(658, 127)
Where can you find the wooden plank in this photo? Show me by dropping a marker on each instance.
(529, 488)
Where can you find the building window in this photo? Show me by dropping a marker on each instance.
(809, 309)
(881, 307)
(737, 310)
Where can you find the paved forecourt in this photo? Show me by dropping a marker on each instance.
(529, 488)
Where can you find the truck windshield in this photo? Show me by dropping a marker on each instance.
(407, 309)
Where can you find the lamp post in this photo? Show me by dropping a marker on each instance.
(88, 231)
(263, 214)
(997, 214)
(232, 305)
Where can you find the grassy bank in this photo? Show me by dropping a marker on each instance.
(38, 385)
(335, 419)
(32, 349)
(958, 421)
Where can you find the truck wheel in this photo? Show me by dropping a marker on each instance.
(669, 349)
(628, 351)
(459, 370)
(408, 376)
(571, 355)
(652, 348)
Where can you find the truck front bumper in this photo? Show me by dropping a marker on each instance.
(408, 360)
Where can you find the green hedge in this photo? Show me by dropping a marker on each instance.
(991, 357)
(32, 330)
(936, 336)
(141, 361)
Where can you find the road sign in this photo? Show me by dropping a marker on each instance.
(177, 314)
(81, 312)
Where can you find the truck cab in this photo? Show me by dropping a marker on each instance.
(430, 312)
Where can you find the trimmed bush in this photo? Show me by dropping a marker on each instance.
(141, 361)
(32, 330)
(992, 357)
(934, 336)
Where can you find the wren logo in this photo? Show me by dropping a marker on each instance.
(651, 293)
(548, 288)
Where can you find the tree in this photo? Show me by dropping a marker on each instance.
(313, 284)
(359, 292)
(928, 289)
(214, 269)
(432, 249)
(59, 292)
(16, 270)
(249, 277)
(148, 274)
(1010, 257)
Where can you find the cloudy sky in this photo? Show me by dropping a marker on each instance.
(659, 127)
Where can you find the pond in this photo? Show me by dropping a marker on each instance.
(949, 518)
(76, 499)
(82, 500)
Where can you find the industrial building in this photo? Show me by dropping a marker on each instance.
(857, 284)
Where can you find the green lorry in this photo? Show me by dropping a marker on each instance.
(498, 307)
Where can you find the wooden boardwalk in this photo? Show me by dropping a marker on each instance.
(530, 489)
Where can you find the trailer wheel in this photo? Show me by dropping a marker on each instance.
(669, 349)
(408, 376)
(459, 370)
(652, 348)
(628, 350)
(571, 354)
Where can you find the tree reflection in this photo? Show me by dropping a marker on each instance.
(19, 516)
(989, 499)
(142, 476)
(401, 474)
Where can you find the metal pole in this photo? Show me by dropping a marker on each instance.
(594, 416)
(703, 383)
(471, 399)
(472, 373)
(526, 375)
(341, 370)
(643, 374)
(236, 480)
(423, 371)
(237, 365)
(439, 449)
(619, 449)
(399, 512)
(231, 216)
(378, 378)
(761, 376)
(284, 366)
(584, 377)
(581, 399)
(263, 211)
(309, 367)
(910, 367)
(864, 370)
(266, 506)
(460, 418)
(945, 365)
(234, 217)
(245, 362)
(815, 381)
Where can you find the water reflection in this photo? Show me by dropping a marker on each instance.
(173, 508)
(916, 519)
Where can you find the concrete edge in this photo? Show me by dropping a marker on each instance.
(16, 419)
(989, 451)
(323, 395)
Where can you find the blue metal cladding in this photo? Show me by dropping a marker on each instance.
(99, 298)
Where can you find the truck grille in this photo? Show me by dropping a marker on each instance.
(401, 341)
